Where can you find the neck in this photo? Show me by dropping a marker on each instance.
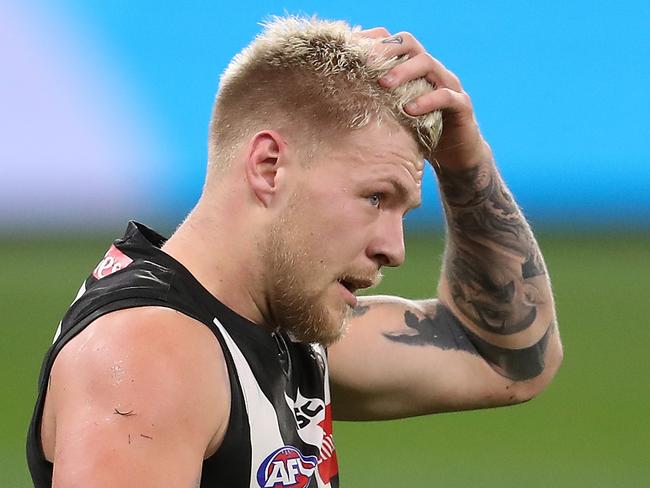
(221, 253)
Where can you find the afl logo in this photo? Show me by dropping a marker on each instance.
(286, 467)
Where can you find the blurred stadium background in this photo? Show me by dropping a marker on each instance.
(104, 109)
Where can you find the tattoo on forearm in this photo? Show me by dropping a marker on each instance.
(443, 330)
(495, 275)
(491, 255)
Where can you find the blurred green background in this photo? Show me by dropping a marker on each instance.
(589, 428)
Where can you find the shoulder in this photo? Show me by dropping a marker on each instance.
(145, 336)
(151, 361)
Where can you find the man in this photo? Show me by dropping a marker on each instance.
(207, 359)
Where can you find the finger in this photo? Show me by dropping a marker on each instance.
(402, 43)
(440, 99)
(374, 33)
(425, 66)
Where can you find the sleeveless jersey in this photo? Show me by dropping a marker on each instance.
(279, 433)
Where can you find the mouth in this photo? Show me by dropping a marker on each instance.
(350, 285)
(353, 284)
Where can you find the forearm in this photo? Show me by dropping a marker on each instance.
(494, 278)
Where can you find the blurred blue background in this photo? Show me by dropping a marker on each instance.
(105, 104)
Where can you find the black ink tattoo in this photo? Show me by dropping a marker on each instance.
(146, 436)
(495, 276)
(515, 364)
(443, 330)
(533, 266)
(492, 254)
(360, 310)
(393, 40)
(467, 188)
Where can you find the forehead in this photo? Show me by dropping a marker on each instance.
(381, 141)
(381, 151)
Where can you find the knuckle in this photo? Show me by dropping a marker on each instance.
(447, 95)
(407, 36)
(429, 60)
(464, 99)
(428, 57)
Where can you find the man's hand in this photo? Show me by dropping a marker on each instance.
(461, 145)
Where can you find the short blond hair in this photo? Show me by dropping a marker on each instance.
(312, 77)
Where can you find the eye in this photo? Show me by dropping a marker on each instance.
(375, 199)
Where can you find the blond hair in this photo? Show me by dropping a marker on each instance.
(311, 77)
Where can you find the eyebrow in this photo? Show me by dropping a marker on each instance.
(403, 192)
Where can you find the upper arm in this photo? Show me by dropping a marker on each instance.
(418, 358)
(139, 398)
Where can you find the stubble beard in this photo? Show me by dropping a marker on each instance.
(294, 308)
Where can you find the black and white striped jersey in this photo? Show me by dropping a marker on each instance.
(279, 433)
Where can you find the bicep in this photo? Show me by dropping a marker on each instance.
(134, 405)
(404, 358)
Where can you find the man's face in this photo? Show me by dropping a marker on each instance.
(342, 224)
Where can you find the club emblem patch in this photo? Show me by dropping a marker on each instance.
(286, 467)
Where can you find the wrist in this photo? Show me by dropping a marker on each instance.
(461, 156)
(467, 187)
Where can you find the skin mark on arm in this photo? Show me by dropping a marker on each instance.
(444, 331)
(128, 413)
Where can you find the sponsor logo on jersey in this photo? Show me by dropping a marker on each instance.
(327, 463)
(286, 467)
(308, 412)
(114, 260)
(314, 423)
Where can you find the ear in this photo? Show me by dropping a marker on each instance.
(264, 164)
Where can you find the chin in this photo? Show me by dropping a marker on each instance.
(338, 326)
(313, 318)
(327, 327)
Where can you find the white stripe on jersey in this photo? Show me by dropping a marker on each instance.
(81, 291)
(265, 434)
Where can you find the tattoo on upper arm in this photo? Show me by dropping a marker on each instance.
(443, 330)
(360, 310)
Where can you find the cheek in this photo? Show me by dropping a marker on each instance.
(336, 224)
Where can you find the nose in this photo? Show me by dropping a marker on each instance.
(387, 245)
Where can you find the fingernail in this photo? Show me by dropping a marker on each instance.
(387, 80)
(411, 107)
